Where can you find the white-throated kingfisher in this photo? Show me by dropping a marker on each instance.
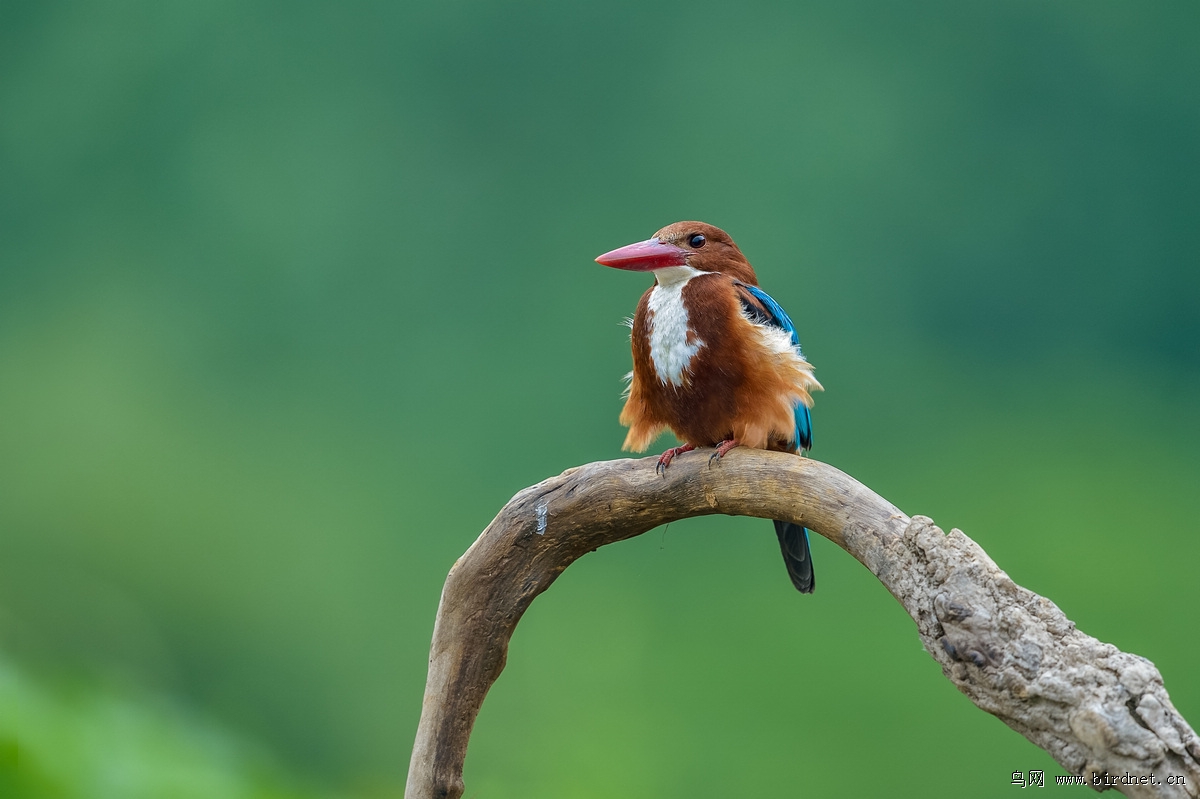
(716, 360)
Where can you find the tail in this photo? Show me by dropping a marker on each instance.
(793, 542)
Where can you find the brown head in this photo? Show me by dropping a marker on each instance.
(695, 244)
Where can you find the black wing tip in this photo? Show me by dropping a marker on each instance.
(804, 583)
(793, 543)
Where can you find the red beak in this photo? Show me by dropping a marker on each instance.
(644, 256)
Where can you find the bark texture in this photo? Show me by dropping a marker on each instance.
(1095, 709)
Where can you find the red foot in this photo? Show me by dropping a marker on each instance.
(722, 449)
(664, 460)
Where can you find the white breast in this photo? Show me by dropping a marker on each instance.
(670, 349)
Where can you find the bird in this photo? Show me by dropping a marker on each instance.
(716, 360)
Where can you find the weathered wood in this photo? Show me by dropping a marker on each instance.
(1095, 709)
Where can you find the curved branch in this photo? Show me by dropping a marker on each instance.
(1095, 709)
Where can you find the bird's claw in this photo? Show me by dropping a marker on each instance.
(664, 460)
(721, 450)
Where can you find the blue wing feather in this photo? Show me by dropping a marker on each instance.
(780, 319)
(804, 427)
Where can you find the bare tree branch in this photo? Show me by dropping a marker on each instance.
(1095, 709)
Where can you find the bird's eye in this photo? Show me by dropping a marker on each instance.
(697, 241)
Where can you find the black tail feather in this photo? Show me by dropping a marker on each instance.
(793, 543)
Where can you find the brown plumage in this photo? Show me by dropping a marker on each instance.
(715, 359)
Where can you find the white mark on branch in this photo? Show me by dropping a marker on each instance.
(541, 517)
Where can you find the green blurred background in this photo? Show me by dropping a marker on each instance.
(294, 296)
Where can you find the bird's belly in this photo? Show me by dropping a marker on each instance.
(748, 394)
(697, 417)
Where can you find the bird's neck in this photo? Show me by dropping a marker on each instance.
(673, 276)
